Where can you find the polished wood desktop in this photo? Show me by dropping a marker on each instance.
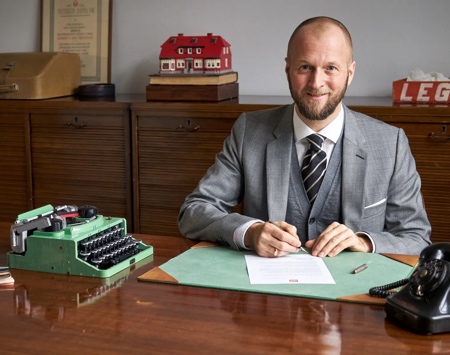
(57, 314)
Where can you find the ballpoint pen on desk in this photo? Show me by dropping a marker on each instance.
(301, 248)
(360, 268)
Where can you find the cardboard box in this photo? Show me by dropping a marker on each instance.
(421, 91)
(39, 75)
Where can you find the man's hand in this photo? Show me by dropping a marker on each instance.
(337, 237)
(272, 239)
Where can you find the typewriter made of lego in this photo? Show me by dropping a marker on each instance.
(73, 241)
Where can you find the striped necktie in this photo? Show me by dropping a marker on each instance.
(314, 166)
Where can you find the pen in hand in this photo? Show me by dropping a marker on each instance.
(301, 248)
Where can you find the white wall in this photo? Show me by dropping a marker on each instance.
(391, 37)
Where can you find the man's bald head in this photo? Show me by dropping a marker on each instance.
(319, 25)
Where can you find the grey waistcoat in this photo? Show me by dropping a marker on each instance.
(310, 222)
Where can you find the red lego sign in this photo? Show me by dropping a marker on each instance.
(421, 91)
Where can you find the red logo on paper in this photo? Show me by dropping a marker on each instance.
(293, 280)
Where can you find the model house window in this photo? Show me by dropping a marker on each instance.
(189, 50)
(180, 50)
(198, 63)
(180, 63)
(167, 64)
(198, 50)
(194, 40)
(208, 63)
(213, 63)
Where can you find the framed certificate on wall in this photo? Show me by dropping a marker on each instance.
(82, 27)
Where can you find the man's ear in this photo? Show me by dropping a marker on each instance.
(351, 72)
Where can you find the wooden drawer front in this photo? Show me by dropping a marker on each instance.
(183, 124)
(82, 159)
(432, 156)
(13, 166)
(173, 155)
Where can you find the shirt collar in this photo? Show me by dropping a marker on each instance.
(331, 132)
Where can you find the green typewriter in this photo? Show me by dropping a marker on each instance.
(73, 241)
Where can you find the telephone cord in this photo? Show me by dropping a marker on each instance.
(385, 290)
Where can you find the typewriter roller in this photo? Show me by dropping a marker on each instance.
(74, 241)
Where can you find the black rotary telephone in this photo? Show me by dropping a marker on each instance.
(423, 304)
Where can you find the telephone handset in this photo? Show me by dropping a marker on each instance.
(423, 304)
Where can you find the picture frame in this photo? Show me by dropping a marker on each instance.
(82, 27)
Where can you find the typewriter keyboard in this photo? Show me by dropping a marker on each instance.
(108, 248)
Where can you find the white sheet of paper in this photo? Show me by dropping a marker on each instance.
(289, 269)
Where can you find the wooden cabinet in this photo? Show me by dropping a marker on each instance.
(139, 160)
(79, 153)
(15, 180)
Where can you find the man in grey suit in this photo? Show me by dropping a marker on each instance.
(369, 198)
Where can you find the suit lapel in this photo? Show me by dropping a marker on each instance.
(278, 167)
(354, 160)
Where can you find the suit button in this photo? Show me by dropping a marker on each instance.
(312, 220)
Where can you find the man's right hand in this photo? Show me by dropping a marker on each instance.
(272, 239)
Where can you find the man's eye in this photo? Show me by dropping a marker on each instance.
(331, 68)
(304, 67)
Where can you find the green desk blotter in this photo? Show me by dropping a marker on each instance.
(208, 265)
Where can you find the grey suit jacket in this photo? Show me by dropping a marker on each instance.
(380, 184)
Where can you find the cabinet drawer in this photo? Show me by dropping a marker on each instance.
(189, 124)
(82, 159)
(421, 129)
(14, 177)
(172, 154)
(78, 120)
(430, 146)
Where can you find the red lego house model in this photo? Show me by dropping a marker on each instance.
(208, 54)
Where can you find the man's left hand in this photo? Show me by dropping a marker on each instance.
(336, 238)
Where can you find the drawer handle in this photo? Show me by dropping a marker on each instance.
(9, 88)
(187, 129)
(439, 139)
(77, 126)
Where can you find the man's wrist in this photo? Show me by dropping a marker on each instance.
(367, 240)
(241, 231)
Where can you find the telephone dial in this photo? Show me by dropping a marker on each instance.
(423, 304)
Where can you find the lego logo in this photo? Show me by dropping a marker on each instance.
(426, 92)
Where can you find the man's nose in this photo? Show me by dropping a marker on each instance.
(316, 78)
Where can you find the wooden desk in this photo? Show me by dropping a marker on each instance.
(57, 314)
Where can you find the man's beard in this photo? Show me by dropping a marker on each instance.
(311, 113)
